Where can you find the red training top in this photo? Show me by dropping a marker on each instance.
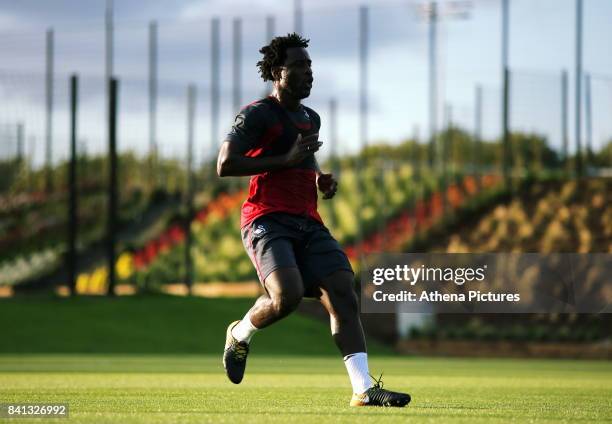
(265, 128)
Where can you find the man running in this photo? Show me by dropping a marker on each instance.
(274, 140)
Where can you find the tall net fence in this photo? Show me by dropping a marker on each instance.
(598, 125)
(536, 101)
(403, 125)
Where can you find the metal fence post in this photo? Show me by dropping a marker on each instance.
(191, 106)
(113, 88)
(72, 183)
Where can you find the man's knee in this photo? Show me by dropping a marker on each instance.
(286, 290)
(287, 301)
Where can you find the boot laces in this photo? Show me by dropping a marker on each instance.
(240, 351)
(378, 383)
(377, 393)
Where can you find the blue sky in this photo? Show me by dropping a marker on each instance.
(541, 45)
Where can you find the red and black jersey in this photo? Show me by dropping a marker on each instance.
(265, 128)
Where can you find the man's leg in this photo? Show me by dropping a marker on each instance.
(340, 300)
(338, 296)
(284, 291)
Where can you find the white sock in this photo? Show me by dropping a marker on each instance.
(357, 367)
(244, 330)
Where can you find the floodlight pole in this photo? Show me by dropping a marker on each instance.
(588, 118)
(49, 110)
(270, 29)
(333, 131)
(476, 157)
(108, 49)
(433, 14)
(237, 68)
(152, 101)
(20, 142)
(298, 17)
(578, 98)
(214, 84)
(434, 149)
(447, 145)
(507, 151)
(564, 117)
(191, 107)
(363, 115)
(333, 146)
(363, 76)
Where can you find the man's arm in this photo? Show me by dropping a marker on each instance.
(326, 183)
(317, 167)
(231, 162)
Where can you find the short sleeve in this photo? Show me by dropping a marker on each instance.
(247, 129)
(314, 116)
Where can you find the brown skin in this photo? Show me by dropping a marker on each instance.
(284, 287)
(284, 291)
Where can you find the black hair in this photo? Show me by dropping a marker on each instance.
(275, 53)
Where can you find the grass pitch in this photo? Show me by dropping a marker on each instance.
(157, 359)
(283, 389)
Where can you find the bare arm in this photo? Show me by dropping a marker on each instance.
(233, 163)
(326, 183)
(317, 167)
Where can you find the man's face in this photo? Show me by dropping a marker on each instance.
(296, 73)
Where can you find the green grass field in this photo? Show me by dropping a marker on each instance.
(279, 389)
(158, 359)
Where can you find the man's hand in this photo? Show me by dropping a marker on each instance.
(327, 185)
(302, 147)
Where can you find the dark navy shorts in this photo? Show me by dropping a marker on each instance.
(282, 240)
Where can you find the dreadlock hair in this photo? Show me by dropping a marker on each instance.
(275, 53)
